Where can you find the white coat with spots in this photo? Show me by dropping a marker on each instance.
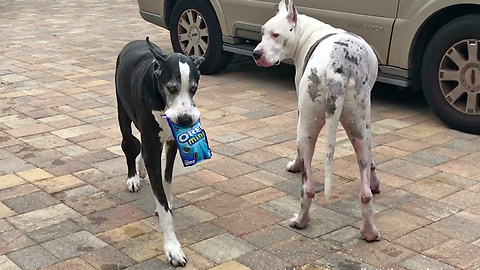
(333, 85)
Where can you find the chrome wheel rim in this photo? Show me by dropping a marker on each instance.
(193, 33)
(459, 76)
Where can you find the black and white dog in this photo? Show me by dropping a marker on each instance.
(335, 72)
(149, 84)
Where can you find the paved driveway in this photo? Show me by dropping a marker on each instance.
(64, 205)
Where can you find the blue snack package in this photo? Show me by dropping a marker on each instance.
(191, 142)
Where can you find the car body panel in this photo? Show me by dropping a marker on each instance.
(221, 17)
(152, 11)
(155, 7)
(371, 19)
(412, 14)
(390, 26)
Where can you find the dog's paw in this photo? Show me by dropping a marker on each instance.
(133, 183)
(370, 233)
(175, 256)
(142, 171)
(297, 222)
(293, 167)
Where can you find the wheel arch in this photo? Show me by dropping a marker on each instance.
(215, 4)
(428, 29)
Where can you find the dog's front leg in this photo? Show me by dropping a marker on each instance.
(294, 165)
(374, 179)
(170, 153)
(152, 154)
(142, 171)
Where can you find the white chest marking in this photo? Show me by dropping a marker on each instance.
(165, 134)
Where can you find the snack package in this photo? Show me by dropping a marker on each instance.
(191, 142)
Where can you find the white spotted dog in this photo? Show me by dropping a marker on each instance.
(149, 84)
(335, 72)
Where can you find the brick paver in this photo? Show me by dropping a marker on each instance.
(64, 205)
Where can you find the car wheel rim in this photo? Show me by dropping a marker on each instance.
(459, 76)
(193, 33)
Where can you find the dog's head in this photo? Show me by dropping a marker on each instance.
(177, 78)
(278, 37)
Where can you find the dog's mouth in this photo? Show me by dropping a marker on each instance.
(185, 120)
(262, 63)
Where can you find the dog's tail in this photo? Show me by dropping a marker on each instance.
(336, 86)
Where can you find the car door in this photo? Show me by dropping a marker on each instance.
(371, 19)
(245, 17)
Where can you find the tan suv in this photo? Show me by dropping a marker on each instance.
(428, 44)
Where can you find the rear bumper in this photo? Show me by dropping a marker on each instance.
(153, 18)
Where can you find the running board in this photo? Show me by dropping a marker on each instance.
(247, 49)
(241, 48)
(393, 80)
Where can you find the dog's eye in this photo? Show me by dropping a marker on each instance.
(275, 35)
(171, 88)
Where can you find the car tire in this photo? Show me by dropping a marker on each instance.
(194, 30)
(450, 74)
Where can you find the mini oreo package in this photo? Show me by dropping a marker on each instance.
(191, 142)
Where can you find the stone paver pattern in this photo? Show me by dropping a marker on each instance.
(64, 203)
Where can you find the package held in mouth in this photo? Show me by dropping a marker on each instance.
(191, 142)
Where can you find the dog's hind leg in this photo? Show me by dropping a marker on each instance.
(310, 122)
(130, 145)
(357, 126)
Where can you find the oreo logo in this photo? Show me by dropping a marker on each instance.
(192, 136)
(183, 137)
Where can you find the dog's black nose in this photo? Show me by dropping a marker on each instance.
(257, 55)
(184, 120)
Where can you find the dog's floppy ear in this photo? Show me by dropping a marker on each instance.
(292, 13)
(282, 7)
(156, 51)
(197, 61)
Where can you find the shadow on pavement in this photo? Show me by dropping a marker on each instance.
(382, 93)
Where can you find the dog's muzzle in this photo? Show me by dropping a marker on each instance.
(257, 55)
(261, 61)
(184, 120)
